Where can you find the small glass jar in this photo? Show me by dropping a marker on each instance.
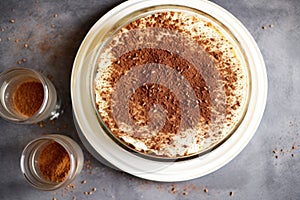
(10, 81)
(30, 161)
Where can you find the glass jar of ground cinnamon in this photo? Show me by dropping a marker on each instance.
(51, 161)
(27, 96)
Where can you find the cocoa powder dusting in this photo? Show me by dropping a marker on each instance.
(150, 94)
(212, 74)
(54, 162)
(28, 98)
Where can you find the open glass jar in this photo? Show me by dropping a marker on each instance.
(51, 162)
(27, 96)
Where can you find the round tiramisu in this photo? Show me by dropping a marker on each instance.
(171, 84)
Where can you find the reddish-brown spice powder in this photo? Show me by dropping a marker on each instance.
(54, 162)
(28, 98)
(151, 94)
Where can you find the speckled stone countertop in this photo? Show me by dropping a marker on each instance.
(45, 35)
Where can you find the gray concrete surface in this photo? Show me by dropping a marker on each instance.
(254, 174)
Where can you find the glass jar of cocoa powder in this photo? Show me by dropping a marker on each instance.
(27, 96)
(51, 161)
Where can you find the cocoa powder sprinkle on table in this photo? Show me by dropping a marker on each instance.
(41, 124)
(293, 155)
